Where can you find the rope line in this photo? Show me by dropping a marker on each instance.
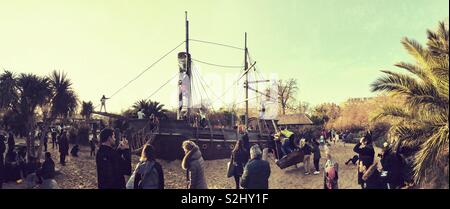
(217, 65)
(148, 68)
(219, 44)
(162, 86)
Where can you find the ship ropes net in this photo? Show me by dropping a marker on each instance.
(205, 100)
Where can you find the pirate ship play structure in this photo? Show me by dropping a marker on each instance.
(215, 143)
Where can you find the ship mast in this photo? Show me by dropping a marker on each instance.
(246, 82)
(188, 67)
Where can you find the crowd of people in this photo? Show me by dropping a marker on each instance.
(247, 166)
(18, 166)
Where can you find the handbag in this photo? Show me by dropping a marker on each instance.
(230, 168)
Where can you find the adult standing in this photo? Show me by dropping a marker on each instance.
(2, 160)
(63, 148)
(11, 141)
(317, 156)
(239, 158)
(54, 142)
(148, 173)
(306, 148)
(256, 172)
(194, 165)
(366, 156)
(112, 163)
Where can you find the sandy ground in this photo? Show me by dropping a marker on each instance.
(80, 173)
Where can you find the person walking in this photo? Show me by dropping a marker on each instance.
(256, 172)
(148, 173)
(194, 165)
(112, 163)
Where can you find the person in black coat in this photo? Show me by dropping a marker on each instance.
(317, 156)
(11, 140)
(366, 156)
(392, 164)
(63, 148)
(256, 172)
(45, 142)
(2, 160)
(48, 167)
(239, 157)
(112, 163)
(74, 151)
(54, 142)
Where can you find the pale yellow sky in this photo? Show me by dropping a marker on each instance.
(334, 48)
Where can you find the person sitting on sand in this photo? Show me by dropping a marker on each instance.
(353, 160)
(47, 170)
(74, 151)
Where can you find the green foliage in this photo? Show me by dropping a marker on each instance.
(422, 122)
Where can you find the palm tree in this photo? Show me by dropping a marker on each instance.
(86, 109)
(34, 91)
(64, 101)
(8, 90)
(423, 123)
(150, 107)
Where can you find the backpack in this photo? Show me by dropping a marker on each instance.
(151, 175)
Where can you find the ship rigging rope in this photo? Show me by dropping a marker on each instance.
(217, 65)
(207, 86)
(162, 86)
(148, 68)
(214, 43)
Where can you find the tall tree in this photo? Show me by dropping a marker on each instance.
(422, 123)
(150, 107)
(86, 109)
(286, 92)
(8, 90)
(64, 100)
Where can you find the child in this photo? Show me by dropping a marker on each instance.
(331, 173)
(306, 148)
(92, 145)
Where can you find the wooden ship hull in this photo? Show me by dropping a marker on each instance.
(168, 137)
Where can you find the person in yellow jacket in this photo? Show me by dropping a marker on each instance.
(287, 139)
